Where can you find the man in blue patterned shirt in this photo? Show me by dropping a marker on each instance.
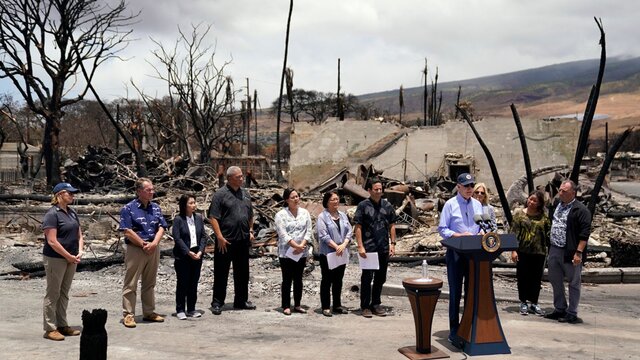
(375, 231)
(570, 230)
(143, 225)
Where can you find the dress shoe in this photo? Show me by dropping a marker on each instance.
(53, 335)
(570, 319)
(367, 313)
(340, 310)
(555, 315)
(378, 310)
(327, 313)
(153, 317)
(216, 309)
(245, 306)
(455, 342)
(67, 331)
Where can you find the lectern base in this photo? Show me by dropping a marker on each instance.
(413, 354)
(475, 349)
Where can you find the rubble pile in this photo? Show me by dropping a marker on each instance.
(615, 229)
(99, 170)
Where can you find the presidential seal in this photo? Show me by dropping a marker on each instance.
(491, 242)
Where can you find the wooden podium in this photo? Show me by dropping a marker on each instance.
(480, 331)
(423, 296)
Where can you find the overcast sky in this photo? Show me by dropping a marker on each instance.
(382, 43)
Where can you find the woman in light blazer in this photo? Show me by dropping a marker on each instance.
(190, 239)
(334, 235)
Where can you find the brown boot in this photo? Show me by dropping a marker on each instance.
(53, 335)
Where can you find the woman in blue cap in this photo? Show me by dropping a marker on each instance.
(61, 254)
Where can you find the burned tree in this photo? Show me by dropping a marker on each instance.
(43, 43)
(590, 109)
(199, 90)
(525, 150)
(401, 102)
(492, 165)
(284, 68)
(425, 93)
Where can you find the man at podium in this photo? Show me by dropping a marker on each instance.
(457, 219)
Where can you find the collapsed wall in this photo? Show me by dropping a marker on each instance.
(318, 151)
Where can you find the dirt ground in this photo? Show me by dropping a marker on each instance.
(611, 328)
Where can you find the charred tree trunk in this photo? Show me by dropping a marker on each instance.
(606, 138)
(591, 107)
(438, 115)
(458, 102)
(425, 94)
(339, 97)
(51, 148)
(284, 68)
(492, 165)
(604, 169)
(255, 119)
(401, 102)
(434, 98)
(525, 150)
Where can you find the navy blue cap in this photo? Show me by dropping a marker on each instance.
(64, 186)
(466, 179)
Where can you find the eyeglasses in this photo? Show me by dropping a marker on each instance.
(479, 192)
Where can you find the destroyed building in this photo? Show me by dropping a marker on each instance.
(416, 154)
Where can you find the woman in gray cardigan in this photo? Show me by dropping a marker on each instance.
(334, 235)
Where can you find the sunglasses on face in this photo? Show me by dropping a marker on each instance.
(479, 192)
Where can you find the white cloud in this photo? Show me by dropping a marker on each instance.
(382, 43)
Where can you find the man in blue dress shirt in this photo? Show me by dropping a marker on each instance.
(143, 225)
(457, 220)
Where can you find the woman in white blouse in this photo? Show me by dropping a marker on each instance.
(293, 225)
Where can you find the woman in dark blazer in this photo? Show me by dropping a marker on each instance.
(190, 239)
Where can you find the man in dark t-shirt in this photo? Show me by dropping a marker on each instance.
(231, 216)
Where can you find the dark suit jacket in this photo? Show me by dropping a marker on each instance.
(182, 237)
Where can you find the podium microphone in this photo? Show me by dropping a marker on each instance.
(487, 220)
(479, 219)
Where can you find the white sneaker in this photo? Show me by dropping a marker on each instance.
(194, 314)
(181, 316)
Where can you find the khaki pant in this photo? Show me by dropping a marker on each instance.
(139, 266)
(59, 277)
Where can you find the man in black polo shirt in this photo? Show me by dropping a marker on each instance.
(231, 217)
(375, 232)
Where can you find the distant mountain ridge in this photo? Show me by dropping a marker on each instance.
(488, 93)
